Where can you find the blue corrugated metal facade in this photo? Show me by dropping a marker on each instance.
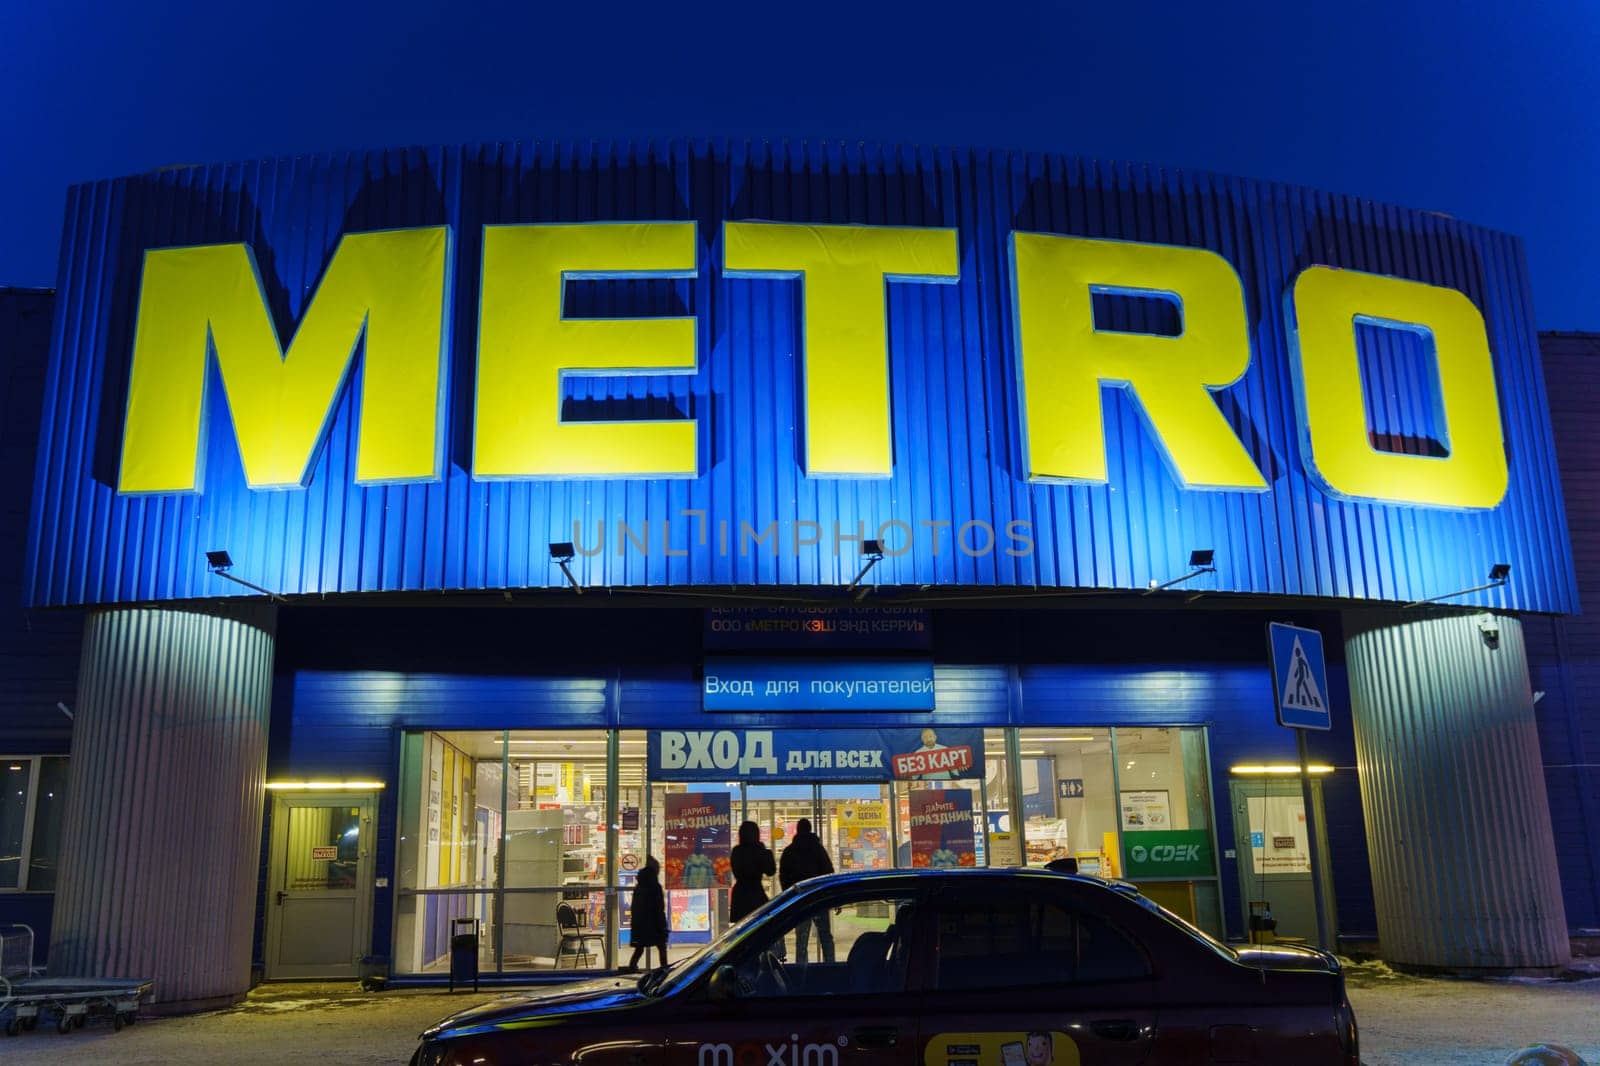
(352, 680)
(954, 401)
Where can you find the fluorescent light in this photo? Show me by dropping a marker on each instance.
(1275, 769)
(324, 786)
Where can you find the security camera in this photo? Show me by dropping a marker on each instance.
(1490, 628)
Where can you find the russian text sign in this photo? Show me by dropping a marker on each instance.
(823, 685)
(758, 755)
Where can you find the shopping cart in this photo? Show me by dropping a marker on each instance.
(25, 994)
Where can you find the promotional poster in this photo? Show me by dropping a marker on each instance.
(941, 828)
(698, 832)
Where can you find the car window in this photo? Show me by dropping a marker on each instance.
(846, 948)
(1017, 940)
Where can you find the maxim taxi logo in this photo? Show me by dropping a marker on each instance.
(388, 294)
(792, 1053)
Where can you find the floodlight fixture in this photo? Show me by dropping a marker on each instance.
(1201, 561)
(872, 552)
(562, 553)
(219, 562)
(1499, 574)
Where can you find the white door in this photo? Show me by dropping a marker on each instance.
(319, 888)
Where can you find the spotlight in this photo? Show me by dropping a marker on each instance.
(1499, 574)
(220, 562)
(872, 552)
(1200, 562)
(561, 553)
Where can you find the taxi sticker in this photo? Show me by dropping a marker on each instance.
(1036, 1048)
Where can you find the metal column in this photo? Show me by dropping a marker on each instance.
(1452, 786)
(161, 845)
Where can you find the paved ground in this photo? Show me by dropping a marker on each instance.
(1403, 1020)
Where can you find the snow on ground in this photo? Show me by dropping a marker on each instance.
(1403, 1019)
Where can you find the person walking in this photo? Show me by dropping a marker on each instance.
(803, 859)
(648, 923)
(751, 861)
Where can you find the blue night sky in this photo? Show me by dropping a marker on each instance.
(1477, 110)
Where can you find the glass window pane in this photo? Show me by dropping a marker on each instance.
(449, 854)
(1004, 842)
(1024, 942)
(1068, 805)
(695, 865)
(553, 852)
(324, 846)
(869, 940)
(16, 776)
(49, 807)
(853, 826)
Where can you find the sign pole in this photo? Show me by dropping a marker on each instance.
(1300, 692)
(1311, 841)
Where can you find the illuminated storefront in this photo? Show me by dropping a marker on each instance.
(531, 509)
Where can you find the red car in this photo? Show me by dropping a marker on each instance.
(935, 968)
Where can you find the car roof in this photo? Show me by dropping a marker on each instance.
(959, 875)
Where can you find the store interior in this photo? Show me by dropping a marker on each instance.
(511, 828)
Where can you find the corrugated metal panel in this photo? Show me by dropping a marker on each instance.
(955, 409)
(38, 649)
(163, 822)
(1448, 754)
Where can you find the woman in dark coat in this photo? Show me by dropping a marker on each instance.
(648, 926)
(751, 861)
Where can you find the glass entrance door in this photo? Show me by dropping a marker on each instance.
(1269, 820)
(854, 826)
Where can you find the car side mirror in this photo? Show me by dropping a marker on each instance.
(724, 984)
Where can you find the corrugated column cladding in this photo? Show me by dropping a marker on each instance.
(1458, 823)
(163, 823)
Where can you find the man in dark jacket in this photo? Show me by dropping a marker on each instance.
(805, 858)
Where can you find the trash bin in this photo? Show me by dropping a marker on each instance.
(1263, 926)
(464, 952)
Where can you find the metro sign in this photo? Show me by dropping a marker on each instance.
(389, 294)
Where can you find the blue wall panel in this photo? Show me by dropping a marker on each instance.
(953, 368)
(993, 668)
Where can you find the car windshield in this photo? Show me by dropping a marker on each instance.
(681, 973)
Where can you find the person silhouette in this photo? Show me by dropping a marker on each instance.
(1302, 673)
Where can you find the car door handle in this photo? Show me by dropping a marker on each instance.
(876, 1036)
(1116, 1029)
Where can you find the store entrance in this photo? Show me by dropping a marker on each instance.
(852, 821)
(1269, 819)
(319, 902)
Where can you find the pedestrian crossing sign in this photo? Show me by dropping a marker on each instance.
(1299, 676)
